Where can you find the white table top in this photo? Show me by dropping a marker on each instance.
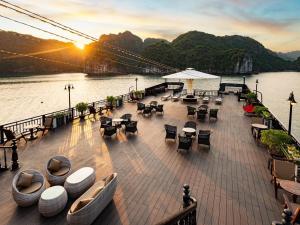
(31, 126)
(260, 126)
(52, 192)
(206, 98)
(188, 130)
(80, 175)
(117, 120)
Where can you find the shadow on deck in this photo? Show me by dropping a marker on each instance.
(230, 181)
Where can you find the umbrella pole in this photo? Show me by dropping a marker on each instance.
(190, 85)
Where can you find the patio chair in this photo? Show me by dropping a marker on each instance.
(92, 110)
(204, 138)
(295, 208)
(10, 135)
(203, 107)
(153, 105)
(109, 131)
(201, 114)
(47, 125)
(213, 113)
(282, 170)
(160, 109)
(191, 111)
(205, 100)
(127, 118)
(185, 143)
(218, 101)
(140, 107)
(131, 127)
(171, 132)
(28, 192)
(105, 122)
(147, 111)
(58, 169)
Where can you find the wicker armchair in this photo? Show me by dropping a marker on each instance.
(98, 201)
(160, 109)
(185, 143)
(59, 177)
(147, 111)
(131, 127)
(140, 106)
(213, 113)
(23, 199)
(109, 131)
(127, 118)
(191, 111)
(171, 132)
(191, 124)
(105, 122)
(204, 137)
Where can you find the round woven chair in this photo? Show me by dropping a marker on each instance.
(23, 199)
(54, 179)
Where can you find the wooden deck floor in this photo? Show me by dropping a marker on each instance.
(230, 182)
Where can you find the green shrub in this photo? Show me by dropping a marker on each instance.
(275, 139)
(111, 99)
(259, 110)
(81, 107)
(251, 95)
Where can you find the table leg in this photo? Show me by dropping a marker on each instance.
(294, 198)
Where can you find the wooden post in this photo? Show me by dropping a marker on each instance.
(1, 135)
(14, 155)
(186, 195)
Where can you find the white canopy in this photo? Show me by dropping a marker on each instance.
(190, 74)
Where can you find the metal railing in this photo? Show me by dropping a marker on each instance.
(20, 125)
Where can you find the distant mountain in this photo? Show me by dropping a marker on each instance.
(51, 50)
(152, 41)
(291, 56)
(219, 55)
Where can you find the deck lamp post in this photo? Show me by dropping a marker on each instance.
(68, 88)
(292, 101)
(256, 83)
(136, 80)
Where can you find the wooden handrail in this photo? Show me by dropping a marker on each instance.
(188, 215)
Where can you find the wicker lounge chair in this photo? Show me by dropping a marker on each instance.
(58, 177)
(204, 137)
(10, 135)
(165, 97)
(171, 132)
(109, 131)
(131, 127)
(295, 208)
(30, 195)
(79, 181)
(47, 125)
(191, 111)
(282, 170)
(97, 198)
(185, 143)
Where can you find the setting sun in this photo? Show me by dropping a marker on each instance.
(79, 45)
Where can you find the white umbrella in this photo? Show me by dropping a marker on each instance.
(190, 74)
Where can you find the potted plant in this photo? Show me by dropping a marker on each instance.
(110, 102)
(119, 101)
(275, 140)
(81, 107)
(251, 97)
(262, 111)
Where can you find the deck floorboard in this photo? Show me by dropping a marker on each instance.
(230, 181)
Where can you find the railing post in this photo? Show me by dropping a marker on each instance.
(1, 135)
(14, 155)
(43, 119)
(186, 196)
